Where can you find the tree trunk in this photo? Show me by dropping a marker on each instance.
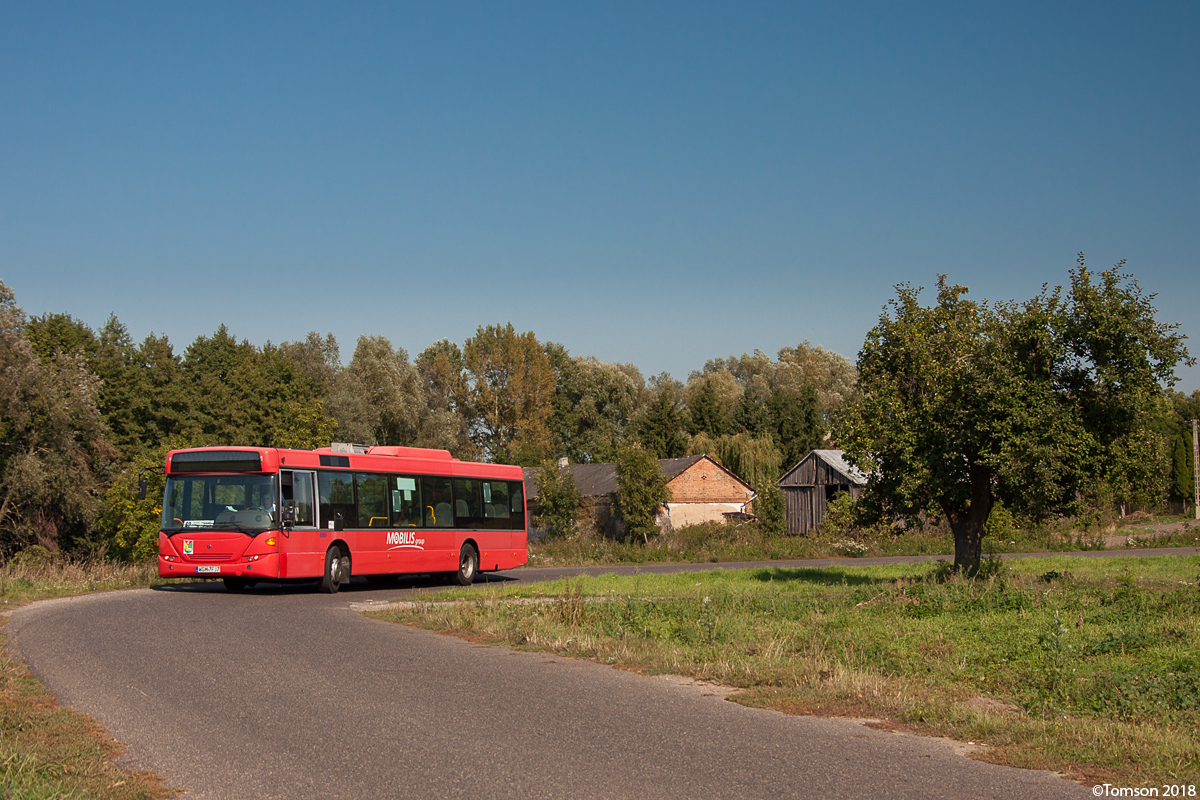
(968, 523)
(968, 548)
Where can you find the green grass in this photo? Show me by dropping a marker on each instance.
(46, 751)
(1088, 666)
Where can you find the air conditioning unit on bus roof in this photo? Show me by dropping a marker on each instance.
(388, 450)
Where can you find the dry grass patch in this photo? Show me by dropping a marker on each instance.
(49, 752)
(37, 574)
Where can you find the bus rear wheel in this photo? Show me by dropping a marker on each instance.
(468, 566)
(337, 571)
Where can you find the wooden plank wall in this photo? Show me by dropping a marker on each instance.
(804, 508)
(804, 494)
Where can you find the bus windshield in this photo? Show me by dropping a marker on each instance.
(244, 503)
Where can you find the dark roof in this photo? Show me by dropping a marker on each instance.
(598, 480)
(673, 466)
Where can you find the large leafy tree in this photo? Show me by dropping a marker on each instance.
(318, 358)
(60, 333)
(830, 375)
(378, 399)
(1034, 404)
(443, 385)
(509, 384)
(54, 451)
(593, 405)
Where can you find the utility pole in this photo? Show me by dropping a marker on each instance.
(1196, 464)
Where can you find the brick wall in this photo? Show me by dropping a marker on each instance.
(705, 482)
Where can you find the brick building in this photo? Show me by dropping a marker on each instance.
(701, 491)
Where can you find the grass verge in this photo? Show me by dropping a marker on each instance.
(1089, 667)
(714, 542)
(46, 751)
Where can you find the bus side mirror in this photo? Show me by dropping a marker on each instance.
(287, 514)
(141, 488)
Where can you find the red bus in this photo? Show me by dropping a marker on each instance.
(256, 514)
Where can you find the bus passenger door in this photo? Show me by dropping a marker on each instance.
(300, 552)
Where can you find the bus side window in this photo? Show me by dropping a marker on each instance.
(495, 504)
(297, 487)
(468, 511)
(372, 501)
(337, 499)
(516, 494)
(406, 503)
(437, 500)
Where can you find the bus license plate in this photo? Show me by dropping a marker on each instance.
(208, 569)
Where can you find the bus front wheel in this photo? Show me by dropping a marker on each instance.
(337, 571)
(468, 565)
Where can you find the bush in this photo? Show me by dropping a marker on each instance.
(34, 557)
(1001, 525)
(841, 517)
(557, 502)
(641, 492)
(131, 525)
(768, 507)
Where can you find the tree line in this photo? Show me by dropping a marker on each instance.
(83, 412)
(1052, 406)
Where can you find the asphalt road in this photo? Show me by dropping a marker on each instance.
(284, 693)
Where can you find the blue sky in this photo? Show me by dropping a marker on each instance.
(655, 183)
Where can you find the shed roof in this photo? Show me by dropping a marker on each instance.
(835, 459)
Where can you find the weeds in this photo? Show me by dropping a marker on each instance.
(708, 622)
(1055, 657)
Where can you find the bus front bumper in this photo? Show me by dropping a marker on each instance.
(263, 567)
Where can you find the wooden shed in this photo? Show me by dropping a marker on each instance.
(810, 485)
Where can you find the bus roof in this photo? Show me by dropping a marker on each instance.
(418, 460)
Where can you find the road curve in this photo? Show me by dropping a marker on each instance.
(284, 693)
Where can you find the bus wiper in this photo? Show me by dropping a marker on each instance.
(237, 526)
